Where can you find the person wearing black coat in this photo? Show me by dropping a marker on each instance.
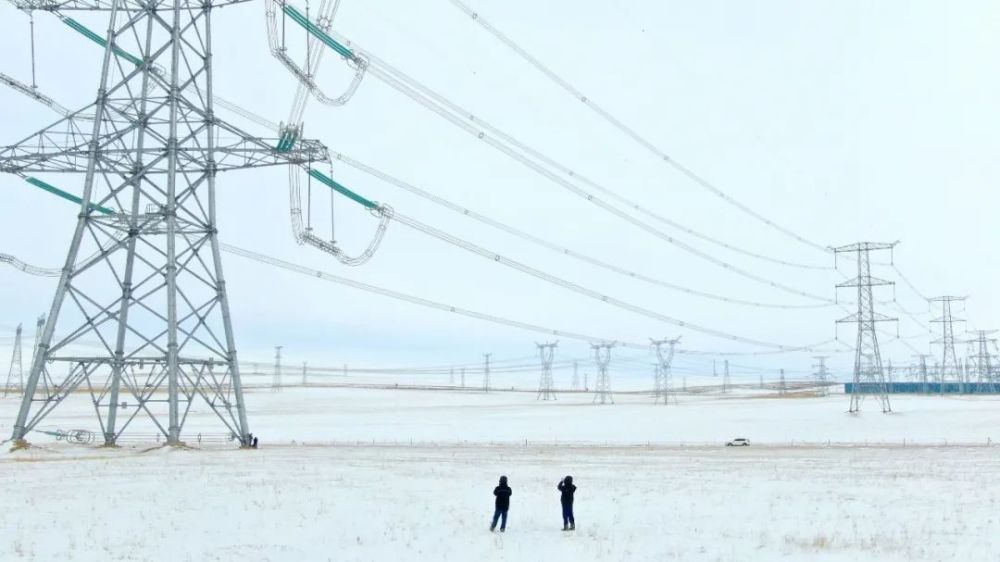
(567, 490)
(502, 493)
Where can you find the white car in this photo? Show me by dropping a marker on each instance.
(738, 442)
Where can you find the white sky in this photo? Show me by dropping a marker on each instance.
(841, 120)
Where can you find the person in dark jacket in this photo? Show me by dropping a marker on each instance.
(566, 499)
(502, 493)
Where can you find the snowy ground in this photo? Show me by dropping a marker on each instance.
(326, 497)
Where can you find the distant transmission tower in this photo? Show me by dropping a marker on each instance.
(576, 375)
(982, 360)
(725, 377)
(143, 273)
(782, 388)
(665, 359)
(888, 371)
(305, 369)
(39, 327)
(486, 371)
(949, 369)
(276, 381)
(546, 352)
(602, 357)
(922, 373)
(869, 377)
(15, 375)
(822, 375)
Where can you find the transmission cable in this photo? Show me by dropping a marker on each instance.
(395, 79)
(628, 131)
(550, 245)
(580, 289)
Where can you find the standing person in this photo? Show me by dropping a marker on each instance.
(502, 493)
(566, 499)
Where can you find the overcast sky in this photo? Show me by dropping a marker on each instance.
(839, 120)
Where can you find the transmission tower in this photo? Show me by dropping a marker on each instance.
(143, 272)
(822, 375)
(869, 377)
(949, 369)
(602, 357)
(922, 372)
(665, 359)
(486, 371)
(546, 352)
(15, 375)
(576, 375)
(725, 376)
(39, 327)
(982, 360)
(782, 389)
(276, 380)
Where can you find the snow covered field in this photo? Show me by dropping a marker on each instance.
(312, 492)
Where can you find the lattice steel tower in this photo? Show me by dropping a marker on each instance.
(822, 374)
(982, 360)
(949, 359)
(486, 371)
(143, 274)
(922, 372)
(276, 378)
(15, 375)
(602, 357)
(546, 352)
(664, 379)
(869, 376)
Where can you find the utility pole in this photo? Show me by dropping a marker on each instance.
(761, 382)
(782, 389)
(665, 359)
(15, 375)
(451, 377)
(725, 377)
(888, 371)
(715, 371)
(143, 271)
(486, 371)
(869, 377)
(546, 352)
(602, 357)
(576, 375)
(276, 381)
(822, 375)
(949, 360)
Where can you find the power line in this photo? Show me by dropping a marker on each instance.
(580, 289)
(631, 133)
(462, 118)
(441, 201)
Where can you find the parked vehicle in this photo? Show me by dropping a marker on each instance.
(738, 442)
